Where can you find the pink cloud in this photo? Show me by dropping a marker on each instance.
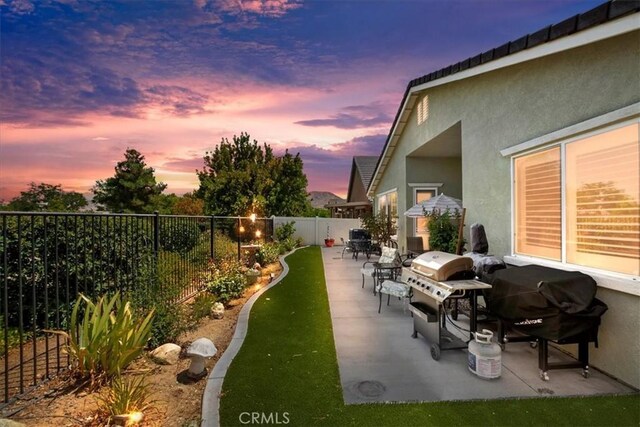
(270, 8)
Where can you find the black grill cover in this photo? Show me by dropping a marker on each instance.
(545, 302)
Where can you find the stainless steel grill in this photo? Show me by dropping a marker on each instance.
(436, 277)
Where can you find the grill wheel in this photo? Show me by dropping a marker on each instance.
(435, 352)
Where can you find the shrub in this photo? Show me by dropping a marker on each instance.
(226, 280)
(289, 244)
(126, 397)
(106, 338)
(268, 253)
(93, 254)
(224, 247)
(381, 227)
(169, 322)
(179, 235)
(285, 231)
(443, 230)
(201, 306)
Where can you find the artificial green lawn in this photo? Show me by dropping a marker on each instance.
(288, 364)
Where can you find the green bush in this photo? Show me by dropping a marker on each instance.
(106, 338)
(202, 305)
(268, 253)
(224, 247)
(226, 280)
(88, 254)
(289, 244)
(285, 231)
(381, 227)
(170, 321)
(443, 230)
(179, 235)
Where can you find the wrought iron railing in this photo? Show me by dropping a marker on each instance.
(47, 259)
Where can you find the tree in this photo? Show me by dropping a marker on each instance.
(241, 176)
(288, 193)
(133, 188)
(47, 197)
(188, 204)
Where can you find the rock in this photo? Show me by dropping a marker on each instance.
(217, 311)
(166, 354)
(4, 422)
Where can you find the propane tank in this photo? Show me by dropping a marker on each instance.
(485, 356)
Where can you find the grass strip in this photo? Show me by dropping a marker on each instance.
(287, 373)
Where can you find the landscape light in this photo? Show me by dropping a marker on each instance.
(241, 229)
(198, 351)
(252, 217)
(258, 233)
(135, 417)
(131, 419)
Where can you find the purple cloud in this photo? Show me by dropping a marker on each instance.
(176, 100)
(354, 117)
(184, 165)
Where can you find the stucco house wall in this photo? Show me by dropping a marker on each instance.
(509, 106)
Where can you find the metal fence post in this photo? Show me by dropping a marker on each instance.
(156, 232)
(213, 233)
(238, 234)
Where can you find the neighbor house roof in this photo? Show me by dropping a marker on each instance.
(504, 55)
(365, 166)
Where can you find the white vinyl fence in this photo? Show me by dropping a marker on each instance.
(313, 231)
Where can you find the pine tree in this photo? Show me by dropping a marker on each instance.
(133, 188)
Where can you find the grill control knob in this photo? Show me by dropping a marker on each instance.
(438, 293)
(428, 287)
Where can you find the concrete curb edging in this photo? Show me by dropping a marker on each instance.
(211, 395)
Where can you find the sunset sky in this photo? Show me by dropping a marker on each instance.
(82, 81)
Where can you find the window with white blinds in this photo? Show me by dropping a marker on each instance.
(538, 204)
(602, 201)
(601, 223)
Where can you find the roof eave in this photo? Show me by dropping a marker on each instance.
(590, 35)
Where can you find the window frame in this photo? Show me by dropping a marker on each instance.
(386, 194)
(562, 143)
(424, 187)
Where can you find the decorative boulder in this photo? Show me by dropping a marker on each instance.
(217, 311)
(166, 354)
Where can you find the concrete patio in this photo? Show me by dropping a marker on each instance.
(380, 362)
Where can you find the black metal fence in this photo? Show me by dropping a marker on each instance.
(47, 259)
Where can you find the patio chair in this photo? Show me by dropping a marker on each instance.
(415, 246)
(346, 246)
(394, 288)
(371, 268)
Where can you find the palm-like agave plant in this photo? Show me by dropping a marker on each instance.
(107, 338)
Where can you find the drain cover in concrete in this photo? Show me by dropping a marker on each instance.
(368, 389)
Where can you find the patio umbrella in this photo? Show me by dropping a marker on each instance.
(441, 203)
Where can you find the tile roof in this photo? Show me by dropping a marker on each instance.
(366, 166)
(605, 12)
(598, 15)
